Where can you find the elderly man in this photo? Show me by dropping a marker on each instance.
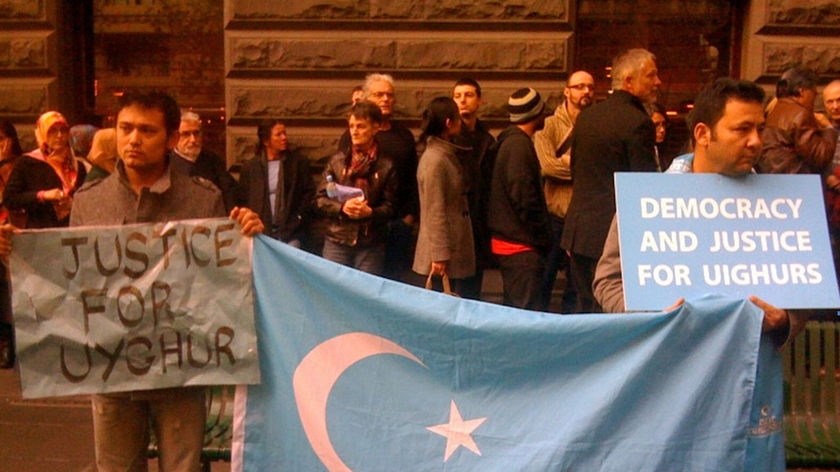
(615, 135)
(554, 149)
(195, 161)
(831, 119)
(397, 142)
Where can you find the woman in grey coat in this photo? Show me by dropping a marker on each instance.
(445, 243)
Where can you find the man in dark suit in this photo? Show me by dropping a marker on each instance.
(616, 135)
(190, 158)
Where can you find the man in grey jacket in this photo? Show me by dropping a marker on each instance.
(143, 189)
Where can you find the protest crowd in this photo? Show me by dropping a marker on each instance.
(534, 201)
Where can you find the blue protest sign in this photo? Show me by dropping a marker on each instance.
(686, 235)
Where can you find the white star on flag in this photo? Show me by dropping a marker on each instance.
(457, 432)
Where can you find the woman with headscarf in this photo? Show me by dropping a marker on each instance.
(44, 180)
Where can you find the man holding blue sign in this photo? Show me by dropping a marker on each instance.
(726, 124)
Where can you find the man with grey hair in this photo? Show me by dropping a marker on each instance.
(831, 119)
(615, 135)
(831, 102)
(397, 143)
(192, 159)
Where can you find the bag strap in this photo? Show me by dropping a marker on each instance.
(447, 287)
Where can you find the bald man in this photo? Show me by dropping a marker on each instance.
(831, 101)
(554, 150)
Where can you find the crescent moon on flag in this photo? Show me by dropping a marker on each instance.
(314, 379)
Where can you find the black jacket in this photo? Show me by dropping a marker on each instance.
(299, 195)
(616, 135)
(381, 196)
(517, 211)
(29, 176)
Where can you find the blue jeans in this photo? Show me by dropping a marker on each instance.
(370, 259)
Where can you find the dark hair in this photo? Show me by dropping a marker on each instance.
(711, 101)
(155, 100)
(264, 129)
(8, 130)
(365, 110)
(652, 108)
(435, 115)
(471, 82)
(795, 79)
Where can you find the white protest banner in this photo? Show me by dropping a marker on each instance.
(687, 235)
(135, 307)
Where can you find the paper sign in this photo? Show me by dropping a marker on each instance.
(136, 307)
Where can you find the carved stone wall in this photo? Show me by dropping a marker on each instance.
(299, 61)
(239, 61)
(44, 62)
(28, 79)
(783, 33)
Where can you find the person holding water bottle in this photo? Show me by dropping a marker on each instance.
(358, 195)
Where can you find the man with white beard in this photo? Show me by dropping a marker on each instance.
(190, 158)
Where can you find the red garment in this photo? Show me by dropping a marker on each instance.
(507, 248)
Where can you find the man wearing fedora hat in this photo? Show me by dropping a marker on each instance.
(517, 214)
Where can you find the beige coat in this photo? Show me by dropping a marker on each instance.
(556, 170)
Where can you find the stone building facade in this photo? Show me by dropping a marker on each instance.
(42, 62)
(239, 61)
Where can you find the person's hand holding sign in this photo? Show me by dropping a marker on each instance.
(774, 318)
(248, 219)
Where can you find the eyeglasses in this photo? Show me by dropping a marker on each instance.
(582, 87)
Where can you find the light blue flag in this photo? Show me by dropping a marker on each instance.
(361, 373)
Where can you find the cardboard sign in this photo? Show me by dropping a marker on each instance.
(136, 307)
(686, 235)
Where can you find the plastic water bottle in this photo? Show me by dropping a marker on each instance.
(332, 192)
